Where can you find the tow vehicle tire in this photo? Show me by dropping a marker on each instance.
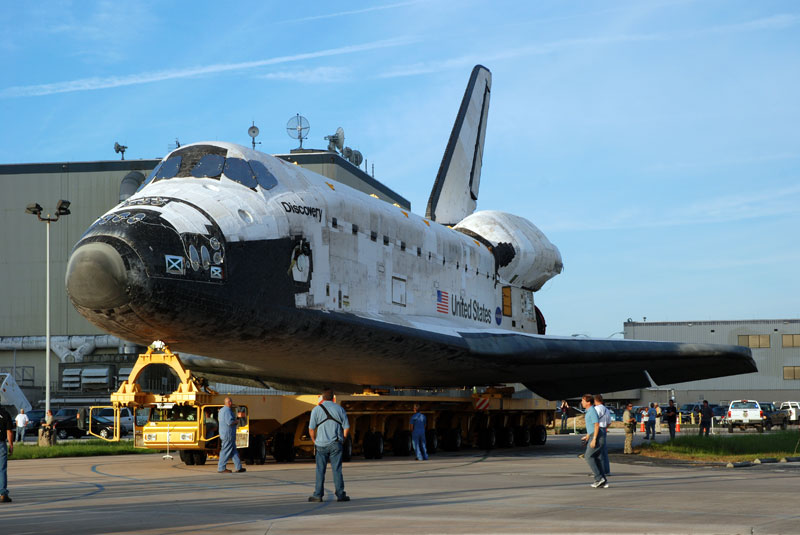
(487, 439)
(402, 444)
(104, 432)
(62, 434)
(259, 448)
(784, 425)
(768, 425)
(538, 435)
(200, 457)
(187, 457)
(522, 436)
(347, 450)
(431, 441)
(730, 428)
(507, 438)
(760, 428)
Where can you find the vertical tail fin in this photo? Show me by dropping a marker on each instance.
(455, 192)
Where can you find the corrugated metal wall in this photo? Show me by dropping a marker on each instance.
(770, 361)
(92, 188)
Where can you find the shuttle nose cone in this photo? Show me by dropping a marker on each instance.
(96, 277)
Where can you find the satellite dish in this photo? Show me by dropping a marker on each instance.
(120, 149)
(356, 158)
(298, 128)
(253, 132)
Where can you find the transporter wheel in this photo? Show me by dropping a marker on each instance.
(452, 441)
(402, 445)
(187, 457)
(431, 441)
(522, 436)
(538, 435)
(507, 438)
(367, 445)
(278, 450)
(347, 450)
(378, 445)
(200, 457)
(487, 439)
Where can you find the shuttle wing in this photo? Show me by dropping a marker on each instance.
(455, 192)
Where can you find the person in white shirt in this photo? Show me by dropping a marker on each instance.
(22, 422)
(605, 419)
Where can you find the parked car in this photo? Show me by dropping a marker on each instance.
(793, 408)
(687, 409)
(773, 416)
(35, 418)
(744, 413)
(101, 425)
(125, 417)
(720, 414)
(616, 414)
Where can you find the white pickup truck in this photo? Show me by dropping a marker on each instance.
(793, 407)
(743, 413)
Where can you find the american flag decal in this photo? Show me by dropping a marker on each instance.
(441, 302)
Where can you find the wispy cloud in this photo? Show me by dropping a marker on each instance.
(723, 209)
(310, 76)
(776, 22)
(95, 83)
(354, 11)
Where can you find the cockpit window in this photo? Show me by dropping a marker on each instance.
(168, 169)
(150, 177)
(209, 165)
(238, 170)
(265, 179)
(209, 161)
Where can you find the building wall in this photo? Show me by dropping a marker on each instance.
(92, 188)
(768, 384)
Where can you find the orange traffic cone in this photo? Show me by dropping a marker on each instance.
(678, 425)
(642, 429)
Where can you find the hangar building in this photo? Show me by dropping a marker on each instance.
(776, 349)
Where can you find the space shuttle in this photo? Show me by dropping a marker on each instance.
(281, 275)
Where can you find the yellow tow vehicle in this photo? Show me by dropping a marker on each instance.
(186, 419)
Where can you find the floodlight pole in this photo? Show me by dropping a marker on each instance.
(35, 209)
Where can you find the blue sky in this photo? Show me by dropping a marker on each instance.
(655, 143)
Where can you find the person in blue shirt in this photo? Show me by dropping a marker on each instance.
(594, 441)
(227, 436)
(328, 427)
(418, 424)
(650, 426)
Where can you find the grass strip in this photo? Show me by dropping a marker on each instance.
(726, 448)
(84, 448)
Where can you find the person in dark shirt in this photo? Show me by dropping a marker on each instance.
(706, 414)
(671, 415)
(6, 449)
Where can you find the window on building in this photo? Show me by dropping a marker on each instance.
(791, 340)
(754, 340)
(791, 372)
